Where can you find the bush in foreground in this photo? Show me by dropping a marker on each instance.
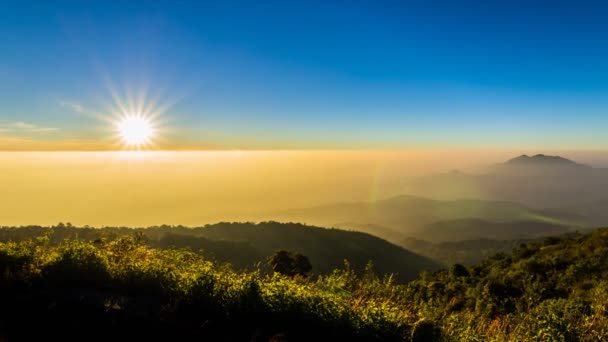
(82, 290)
(554, 290)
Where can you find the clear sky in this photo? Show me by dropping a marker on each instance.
(307, 74)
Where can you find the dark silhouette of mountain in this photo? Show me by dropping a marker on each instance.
(539, 181)
(445, 241)
(467, 252)
(247, 245)
(596, 211)
(391, 235)
(401, 216)
(543, 161)
(326, 248)
(470, 229)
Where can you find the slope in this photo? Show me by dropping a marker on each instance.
(246, 245)
(409, 215)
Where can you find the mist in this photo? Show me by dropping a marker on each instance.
(193, 188)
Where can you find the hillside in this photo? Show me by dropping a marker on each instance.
(326, 248)
(245, 245)
(470, 229)
(466, 252)
(550, 290)
(404, 216)
(124, 290)
(596, 211)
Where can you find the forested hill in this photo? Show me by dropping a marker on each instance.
(554, 289)
(244, 245)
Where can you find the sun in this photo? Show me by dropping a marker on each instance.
(135, 130)
(136, 120)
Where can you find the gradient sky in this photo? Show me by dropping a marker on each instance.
(307, 74)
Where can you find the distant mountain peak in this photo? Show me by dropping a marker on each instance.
(542, 160)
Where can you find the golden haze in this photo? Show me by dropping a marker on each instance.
(193, 188)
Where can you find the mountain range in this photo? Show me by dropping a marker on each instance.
(437, 220)
(523, 198)
(547, 182)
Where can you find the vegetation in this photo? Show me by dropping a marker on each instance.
(247, 245)
(100, 289)
(467, 252)
(555, 289)
(290, 264)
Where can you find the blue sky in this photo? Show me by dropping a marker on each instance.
(307, 74)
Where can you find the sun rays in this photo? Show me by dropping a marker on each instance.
(136, 119)
(135, 130)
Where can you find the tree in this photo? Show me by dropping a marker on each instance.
(282, 262)
(302, 264)
(290, 264)
(458, 270)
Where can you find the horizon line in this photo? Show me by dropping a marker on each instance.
(331, 149)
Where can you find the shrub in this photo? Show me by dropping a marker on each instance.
(77, 264)
(425, 330)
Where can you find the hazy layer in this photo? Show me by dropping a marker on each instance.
(191, 188)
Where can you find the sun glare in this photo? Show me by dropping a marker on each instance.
(135, 130)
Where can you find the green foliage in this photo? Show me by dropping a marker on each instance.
(247, 245)
(123, 284)
(457, 271)
(550, 290)
(467, 252)
(290, 264)
(77, 264)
